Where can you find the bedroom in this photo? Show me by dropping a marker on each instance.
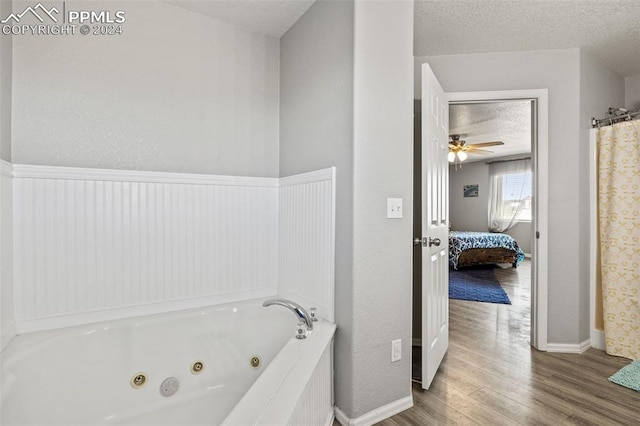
(490, 190)
(479, 123)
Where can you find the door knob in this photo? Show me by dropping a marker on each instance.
(417, 241)
(434, 242)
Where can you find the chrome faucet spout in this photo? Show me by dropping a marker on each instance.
(303, 316)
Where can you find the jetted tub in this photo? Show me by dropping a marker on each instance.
(238, 355)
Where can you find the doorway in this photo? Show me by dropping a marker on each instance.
(539, 142)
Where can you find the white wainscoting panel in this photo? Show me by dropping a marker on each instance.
(106, 241)
(315, 406)
(7, 323)
(306, 255)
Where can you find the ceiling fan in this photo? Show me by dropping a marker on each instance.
(458, 148)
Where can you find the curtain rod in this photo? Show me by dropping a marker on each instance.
(622, 115)
(507, 160)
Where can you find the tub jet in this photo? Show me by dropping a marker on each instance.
(255, 362)
(197, 367)
(138, 380)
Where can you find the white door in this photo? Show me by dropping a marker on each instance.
(435, 232)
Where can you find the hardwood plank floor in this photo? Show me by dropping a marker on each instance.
(491, 375)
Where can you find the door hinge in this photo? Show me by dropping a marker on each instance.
(537, 235)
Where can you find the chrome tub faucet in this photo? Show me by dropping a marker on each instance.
(305, 322)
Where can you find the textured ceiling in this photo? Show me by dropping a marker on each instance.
(272, 17)
(509, 122)
(607, 29)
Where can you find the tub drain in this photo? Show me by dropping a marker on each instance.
(169, 386)
(255, 362)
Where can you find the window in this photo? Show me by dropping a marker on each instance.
(516, 195)
(510, 191)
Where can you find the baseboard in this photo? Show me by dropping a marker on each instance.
(330, 418)
(597, 339)
(569, 348)
(341, 417)
(377, 415)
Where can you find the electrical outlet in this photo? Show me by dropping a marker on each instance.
(396, 350)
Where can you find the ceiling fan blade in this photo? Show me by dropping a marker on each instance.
(483, 144)
(478, 151)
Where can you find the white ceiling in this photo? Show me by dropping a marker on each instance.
(509, 122)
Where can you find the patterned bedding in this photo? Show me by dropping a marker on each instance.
(460, 241)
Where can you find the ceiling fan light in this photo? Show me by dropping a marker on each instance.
(451, 156)
(462, 155)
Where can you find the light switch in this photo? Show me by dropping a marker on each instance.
(394, 208)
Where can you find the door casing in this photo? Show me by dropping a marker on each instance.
(540, 164)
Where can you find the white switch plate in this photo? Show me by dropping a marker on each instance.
(396, 350)
(394, 208)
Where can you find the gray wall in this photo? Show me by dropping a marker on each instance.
(6, 48)
(632, 93)
(472, 213)
(559, 72)
(316, 131)
(346, 100)
(176, 92)
(383, 159)
(599, 89)
(522, 232)
(469, 214)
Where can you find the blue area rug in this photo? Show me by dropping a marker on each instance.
(628, 376)
(477, 284)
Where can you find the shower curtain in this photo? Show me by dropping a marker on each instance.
(619, 224)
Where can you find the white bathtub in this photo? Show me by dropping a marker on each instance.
(82, 375)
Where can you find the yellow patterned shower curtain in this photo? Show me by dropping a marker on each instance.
(619, 224)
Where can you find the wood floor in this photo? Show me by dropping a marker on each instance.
(491, 376)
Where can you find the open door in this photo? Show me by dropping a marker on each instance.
(435, 219)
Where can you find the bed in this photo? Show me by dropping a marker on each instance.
(483, 248)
